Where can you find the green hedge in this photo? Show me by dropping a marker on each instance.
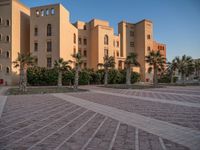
(48, 77)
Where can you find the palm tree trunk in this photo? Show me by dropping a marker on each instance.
(128, 75)
(172, 78)
(76, 78)
(59, 78)
(155, 76)
(24, 81)
(106, 77)
(21, 78)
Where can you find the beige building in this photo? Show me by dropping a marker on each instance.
(14, 37)
(138, 37)
(48, 34)
(52, 36)
(95, 40)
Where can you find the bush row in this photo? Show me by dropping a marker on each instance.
(38, 76)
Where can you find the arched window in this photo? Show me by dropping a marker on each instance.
(1, 20)
(37, 13)
(52, 11)
(49, 30)
(7, 70)
(47, 12)
(106, 39)
(42, 12)
(74, 38)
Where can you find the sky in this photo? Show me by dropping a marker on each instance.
(176, 22)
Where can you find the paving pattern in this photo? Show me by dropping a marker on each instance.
(45, 122)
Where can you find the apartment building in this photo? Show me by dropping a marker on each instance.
(96, 39)
(47, 33)
(138, 37)
(14, 37)
(52, 36)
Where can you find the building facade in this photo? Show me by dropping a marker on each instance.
(14, 38)
(47, 33)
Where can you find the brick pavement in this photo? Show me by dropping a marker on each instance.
(48, 122)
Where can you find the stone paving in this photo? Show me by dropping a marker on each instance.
(103, 121)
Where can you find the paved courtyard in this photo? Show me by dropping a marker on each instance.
(103, 119)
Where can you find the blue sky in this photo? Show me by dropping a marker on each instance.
(176, 22)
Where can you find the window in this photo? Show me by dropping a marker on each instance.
(1, 67)
(117, 54)
(79, 41)
(106, 39)
(84, 27)
(85, 41)
(49, 46)
(1, 21)
(36, 31)
(49, 61)
(37, 13)
(105, 52)
(7, 38)
(85, 53)
(52, 11)
(7, 54)
(1, 37)
(49, 30)
(148, 48)
(42, 12)
(120, 64)
(74, 50)
(35, 46)
(74, 38)
(148, 36)
(7, 70)
(47, 12)
(1, 52)
(85, 65)
(131, 44)
(7, 22)
(131, 33)
(117, 43)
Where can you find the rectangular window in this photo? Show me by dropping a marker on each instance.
(148, 48)
(85, 41)
(85, 53)
(131, 44)
(131, 33)
(1, 67)
(79, 50)
(35, 46)
(7, 22)
(148, 36)
(79, 41)
(117, 43)
(49, 61)
(49, 46)
(36, 31)
(85, 65)
(105, 52)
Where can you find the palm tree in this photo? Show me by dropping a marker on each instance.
(185, 66)
(109, 62)
(197, 68)
(23, 62)
(130, 61)
(77, 66)
(60, 65)
(171, 68)
(157, 64)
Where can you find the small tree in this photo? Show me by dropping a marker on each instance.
(23, 62)
(197, 68)
(171, 68)
(77, 61)
(185, 66)
(156, 62)
(130, 61)
(109, 62)
(60, 65)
